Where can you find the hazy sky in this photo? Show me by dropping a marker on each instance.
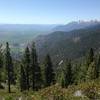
(48, 11)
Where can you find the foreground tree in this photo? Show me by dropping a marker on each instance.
(49, 72)
(90, 57)
(27, 66)
(86, 65)
(62, 80)
(91, 72)
(9, 67)
(77, 73)
(23, 81)
(35, 69)
(98, 68)
(68, 74)
(1, 64)
(91, 66)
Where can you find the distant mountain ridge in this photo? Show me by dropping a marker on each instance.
(76, 25)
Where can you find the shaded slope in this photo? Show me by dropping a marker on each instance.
(72, 44)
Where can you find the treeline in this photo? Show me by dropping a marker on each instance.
(86, 70)
(28, 74)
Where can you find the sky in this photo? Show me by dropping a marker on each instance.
(48, 11)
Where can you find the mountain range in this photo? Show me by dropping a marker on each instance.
(76, 25)
(71, 44)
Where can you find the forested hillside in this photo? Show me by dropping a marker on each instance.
(27, 78)
(71, 44)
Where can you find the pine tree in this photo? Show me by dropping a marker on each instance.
(86, 66)
(91, 72)
(62, 80)
(27, 66)
(36, 70)
(68, 74)
(77, 73)
(82, 72)
(98, 68)
(1, 64)
(49, 72)
(9, 67)
(91, 66)
(23, 81)
(90, 57)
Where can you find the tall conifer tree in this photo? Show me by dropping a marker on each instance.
(23, 81)
(98, 68)
(68, 74)
(49, 71)
(27, 66)
(35, 69)
(91, 72)
(9, 66)
(90, 57)
(1, 63)
(92, 68)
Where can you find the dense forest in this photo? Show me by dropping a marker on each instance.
(28, 75)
